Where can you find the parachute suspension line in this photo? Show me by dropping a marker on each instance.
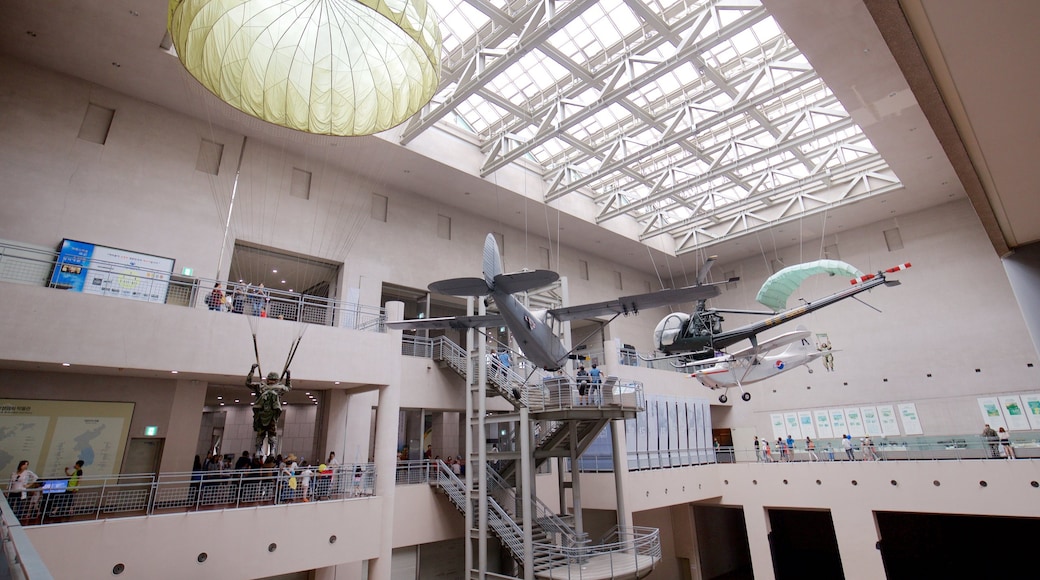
(292, 354)
(231, 207)
(657, 271)
(762, 250)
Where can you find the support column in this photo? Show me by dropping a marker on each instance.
(756, 520)
(617, 438)
(182, 429)
(575, 478)
(387, 418)
(336, 432)
(527, 490)
(856, 532)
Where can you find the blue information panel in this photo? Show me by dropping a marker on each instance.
(93, 269)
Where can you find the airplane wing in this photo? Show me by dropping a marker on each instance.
(461, 287)
(772, 344)
(633, 304)
(520, 281)
(448, 322)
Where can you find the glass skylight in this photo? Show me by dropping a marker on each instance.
(685, 115)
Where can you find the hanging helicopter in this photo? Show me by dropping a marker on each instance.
(691, 339)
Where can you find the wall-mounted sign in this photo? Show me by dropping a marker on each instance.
(94, 269)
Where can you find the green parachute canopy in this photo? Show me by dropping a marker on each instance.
(778, 288)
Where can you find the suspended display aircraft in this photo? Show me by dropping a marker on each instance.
(755, 363)
(535, 331)
(692, 338)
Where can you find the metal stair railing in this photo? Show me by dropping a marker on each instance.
(551, 524)
(507, 530)
(504, 381)
(554, 436)
(633, 549)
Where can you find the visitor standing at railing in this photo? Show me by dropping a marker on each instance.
(810, 446)
(18, 493)
(1005, 444)
(238, 300)
(846, 444)
(991, 440)
(596, 378)
(583, 384)
(63, 502)
(215, 299)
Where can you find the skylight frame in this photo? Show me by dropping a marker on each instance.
(555, 109)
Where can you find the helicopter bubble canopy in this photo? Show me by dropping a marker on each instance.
(669, 329)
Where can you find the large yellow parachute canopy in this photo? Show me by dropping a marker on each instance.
(330, 67)
(778, 287)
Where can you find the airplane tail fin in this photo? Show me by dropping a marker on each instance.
(511, 283)
(492, 260)
(799, 346)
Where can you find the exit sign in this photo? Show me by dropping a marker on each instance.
(151, 430)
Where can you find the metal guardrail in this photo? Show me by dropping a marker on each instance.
(120, 496)
(21, 560)
(956, 448)
(35, 267)
(544, 517)
(633, 548)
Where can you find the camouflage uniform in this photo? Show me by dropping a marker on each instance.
(268, 408)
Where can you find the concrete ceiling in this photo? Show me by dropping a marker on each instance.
(941, 87)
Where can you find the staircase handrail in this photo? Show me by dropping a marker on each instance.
(501, 522)
(543, 515)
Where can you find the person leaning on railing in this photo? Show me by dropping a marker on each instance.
(22, 481)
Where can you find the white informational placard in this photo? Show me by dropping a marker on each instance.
(791, 425)
(632, 436)
(1032, 407)
(778, 425)
(1014, 414)
(652, 434)
(685, 429)
(911, 422)
(805, 422)
(871, 422)
(823, 424)
(889, 424)
(838, 424)
(991, 415)
(673, 432)
(855, 421)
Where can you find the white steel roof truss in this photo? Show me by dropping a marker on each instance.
(612, 96)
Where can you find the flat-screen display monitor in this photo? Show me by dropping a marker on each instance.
(55, 485)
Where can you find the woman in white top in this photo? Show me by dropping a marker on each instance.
(1005, 443)
(18, 494)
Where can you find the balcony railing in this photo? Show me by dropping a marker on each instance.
(143, 494)
(23, 265)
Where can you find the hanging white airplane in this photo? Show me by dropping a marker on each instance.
(534, 330)
(754, 363)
